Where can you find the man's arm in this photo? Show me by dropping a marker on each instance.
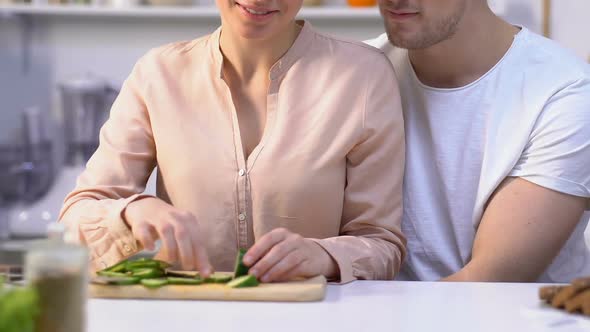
(522, 230)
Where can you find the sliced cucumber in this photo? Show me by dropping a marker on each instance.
(182, 274)
(134, 265)
(219, 278)
(142, 263)
(163, 265)
(119, 281)
(126, 281)
(184, 281)
(148, 273)
(154, 283)
(104, 273)
(240, 269)
(244, 281)
(119, 267)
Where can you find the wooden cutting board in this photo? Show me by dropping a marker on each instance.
(309, 290)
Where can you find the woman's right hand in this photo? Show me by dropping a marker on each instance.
(151, 219)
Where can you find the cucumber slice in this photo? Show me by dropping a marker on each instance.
(145, 264)
(163, 265)
(240, 269)
(184, 281)
(154, 283)
(182, 274)
(244, 281)
(148, 273)
(104, 273)
(119, 267)
(219, 278)
(126, 281)
(119, 281)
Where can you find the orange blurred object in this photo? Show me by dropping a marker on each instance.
(362, 3)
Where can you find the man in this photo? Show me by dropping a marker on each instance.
(498, 145)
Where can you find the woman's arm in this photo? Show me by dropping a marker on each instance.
(114, 177)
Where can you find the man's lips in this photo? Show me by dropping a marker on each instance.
(401, 14)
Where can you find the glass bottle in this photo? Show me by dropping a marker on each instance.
(59, 273)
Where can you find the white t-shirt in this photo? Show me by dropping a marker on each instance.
(528, 117)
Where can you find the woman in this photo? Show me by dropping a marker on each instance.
(267, 135)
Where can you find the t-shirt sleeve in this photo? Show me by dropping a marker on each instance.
(557, 155)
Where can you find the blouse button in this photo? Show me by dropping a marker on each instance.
(242, 217)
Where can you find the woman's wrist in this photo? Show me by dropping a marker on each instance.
(326, 265)
(127, 213)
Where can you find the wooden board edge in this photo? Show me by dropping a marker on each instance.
(312, 290)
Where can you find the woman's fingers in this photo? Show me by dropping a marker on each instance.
(146, 237)
(264, 245)
(184, 242)
(276, 255)
(281, 270)
(179, 232)
(169, 246)
(201, 257)
(202, 260)
(189, 233)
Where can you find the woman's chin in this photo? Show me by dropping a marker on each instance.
(257, 33)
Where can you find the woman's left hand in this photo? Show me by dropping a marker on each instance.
(281, 255)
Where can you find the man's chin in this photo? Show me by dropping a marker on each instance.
(400, 41)
(409, 41)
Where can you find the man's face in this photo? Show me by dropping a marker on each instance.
(418, 24)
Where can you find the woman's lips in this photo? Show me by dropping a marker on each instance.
(255, 13)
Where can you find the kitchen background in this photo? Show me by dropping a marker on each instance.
(46, 51)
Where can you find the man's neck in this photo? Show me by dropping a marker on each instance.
(481, 40)
(248, 59)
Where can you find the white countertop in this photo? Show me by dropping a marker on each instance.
(359, 306)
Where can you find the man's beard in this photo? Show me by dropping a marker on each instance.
(433, 33)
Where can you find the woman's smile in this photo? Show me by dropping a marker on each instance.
(256, 13)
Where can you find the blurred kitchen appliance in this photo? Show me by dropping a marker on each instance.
(26, 166)
(85, 104)
(86, 101)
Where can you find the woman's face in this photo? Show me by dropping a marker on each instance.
(258, 19)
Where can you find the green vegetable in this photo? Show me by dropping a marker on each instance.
(145, 263)
(154, 283)
(123, 281)
(113, 274)
(120, 267)
(148, 273)
(182, 274)
(219, 278)
(240, 269)
(152, 273)
(131, 265)
(184, 281)
(19, 308)
(244, 281)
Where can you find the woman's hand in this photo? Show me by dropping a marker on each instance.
(281, 255)
(152, 218)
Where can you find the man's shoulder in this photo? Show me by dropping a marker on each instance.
(341, 55)
(345, 51)
(396, 55)
(540, 57)
(381, 42)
